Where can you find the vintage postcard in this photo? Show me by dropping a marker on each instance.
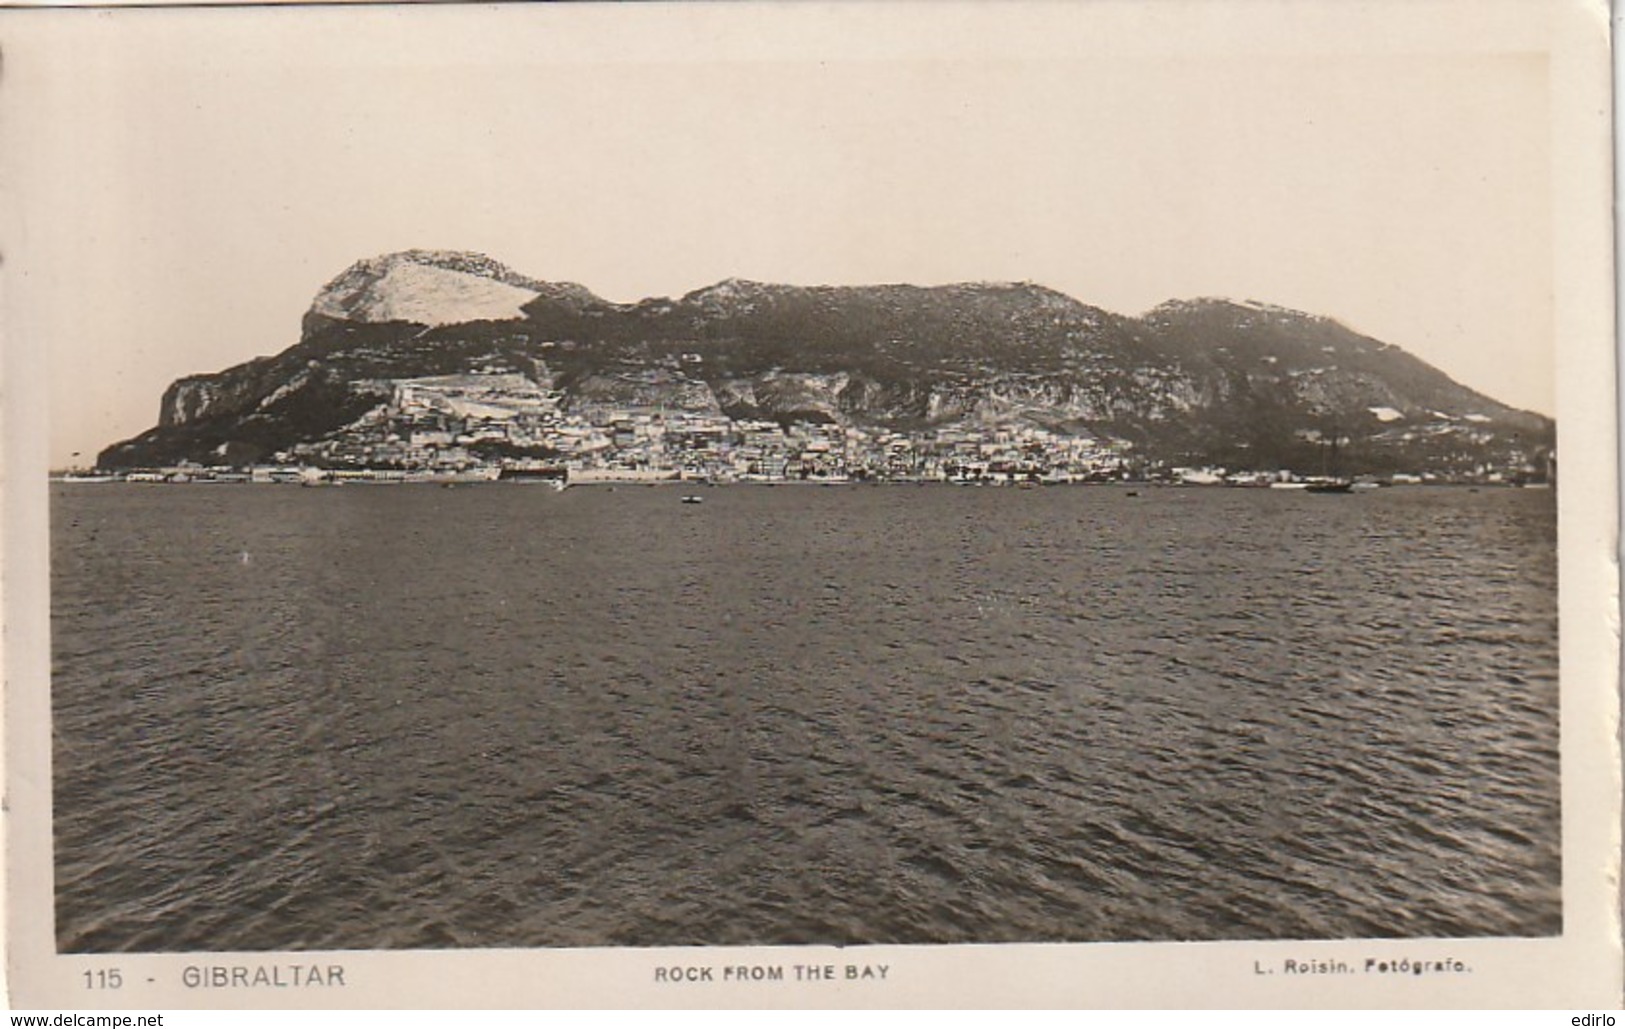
(819, 505)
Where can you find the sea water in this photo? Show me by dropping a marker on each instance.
(499, 715)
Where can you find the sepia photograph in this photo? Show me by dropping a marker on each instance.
(705, 488)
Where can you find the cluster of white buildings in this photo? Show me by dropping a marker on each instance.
(507, 421)
(498, 423)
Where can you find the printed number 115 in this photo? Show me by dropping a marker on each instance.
(103, 979)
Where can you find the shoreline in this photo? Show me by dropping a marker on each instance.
(1295, 486)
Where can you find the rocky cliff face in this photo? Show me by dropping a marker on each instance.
(432, 287)
(1191, 382)
(203, 397)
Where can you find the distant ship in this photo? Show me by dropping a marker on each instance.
(1331, 482)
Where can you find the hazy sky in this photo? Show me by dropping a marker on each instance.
(181, 183)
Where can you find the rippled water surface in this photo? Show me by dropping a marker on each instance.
(405, 716)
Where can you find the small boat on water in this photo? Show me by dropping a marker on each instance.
(692, 499)
(1331, 481)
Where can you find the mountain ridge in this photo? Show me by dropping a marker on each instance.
(1198, 381)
